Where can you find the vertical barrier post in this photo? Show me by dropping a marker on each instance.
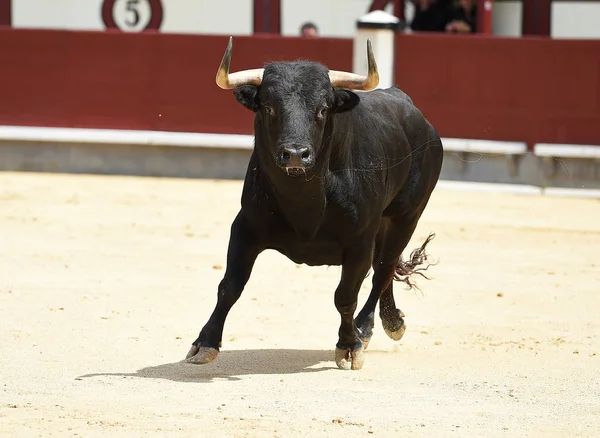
(484, 16)
(380, 27)
(6, 13)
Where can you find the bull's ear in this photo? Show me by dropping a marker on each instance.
(247, 95)
(345, 100)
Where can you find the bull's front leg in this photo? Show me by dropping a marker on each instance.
(349, 351)
(242, 252)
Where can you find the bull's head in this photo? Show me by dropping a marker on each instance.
(294, 104)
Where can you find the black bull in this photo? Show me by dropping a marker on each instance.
(335, 178)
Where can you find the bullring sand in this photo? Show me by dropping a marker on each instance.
(105, 282)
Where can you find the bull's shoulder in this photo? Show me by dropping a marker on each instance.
(387, 96)
(389, 106)
(388, 114)
(393, 107)
(398, 94)
(389, 125)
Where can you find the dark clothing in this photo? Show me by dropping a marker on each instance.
(459, 14)
(433, 19)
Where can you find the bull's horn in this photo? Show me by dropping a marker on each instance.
(342, 79)
(245, 77)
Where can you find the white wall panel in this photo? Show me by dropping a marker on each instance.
(575, 20)
(230, 17)
(507, 18)
(334, 18)
(233, 17)
(57, 14)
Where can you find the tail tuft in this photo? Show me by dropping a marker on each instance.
(418, 257)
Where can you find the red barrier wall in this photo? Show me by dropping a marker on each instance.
(137, 81)
(522, 89)
(519, 89)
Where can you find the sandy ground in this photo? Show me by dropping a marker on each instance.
(105, 282)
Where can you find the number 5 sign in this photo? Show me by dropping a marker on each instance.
(132, 15)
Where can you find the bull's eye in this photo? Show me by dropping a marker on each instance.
(269, 110)
(321, 113)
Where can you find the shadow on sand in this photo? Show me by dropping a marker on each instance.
(230, 364)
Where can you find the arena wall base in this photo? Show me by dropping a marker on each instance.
(547, 166)
(488, 161)
(492, 168)
(568, 166)
(558, 169)
(122, 152)
(127, 159)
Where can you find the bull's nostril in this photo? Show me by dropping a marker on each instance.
(285, 155)
(305, 155)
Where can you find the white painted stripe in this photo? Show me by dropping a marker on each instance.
(566, 150)
(576, 193)
(470, 186)
(484, 146)
(517, 189)
(237, 141)
(190, 139)
(118, 136)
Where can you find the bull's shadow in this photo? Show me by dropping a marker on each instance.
(233, 363)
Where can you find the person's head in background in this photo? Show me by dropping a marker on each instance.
(309, 30)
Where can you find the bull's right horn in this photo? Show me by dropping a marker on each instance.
(227, 81)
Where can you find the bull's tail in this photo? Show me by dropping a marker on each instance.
(414, 266)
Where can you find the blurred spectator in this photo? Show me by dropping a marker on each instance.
(309, 30)
(430, 15)
(463, 17)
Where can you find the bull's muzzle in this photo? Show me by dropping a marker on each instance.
(295, 159)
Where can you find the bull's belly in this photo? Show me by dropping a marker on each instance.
(312, 253)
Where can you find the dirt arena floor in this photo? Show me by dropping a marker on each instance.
(105, 282)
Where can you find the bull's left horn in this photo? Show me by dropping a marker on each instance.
(342, 79)
(227, 81)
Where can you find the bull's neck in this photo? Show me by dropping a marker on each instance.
(301, 199)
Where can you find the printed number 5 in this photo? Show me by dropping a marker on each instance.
(132, 7)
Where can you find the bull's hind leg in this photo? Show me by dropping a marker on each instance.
(241, 254)
(387, 267)
(392, 318)
(365, 321)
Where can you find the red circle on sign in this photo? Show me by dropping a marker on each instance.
(156, 15)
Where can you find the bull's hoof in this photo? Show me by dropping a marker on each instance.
(347, 359)
(365, 329)
(201, 355)
(397, 334)
(365, 342)
(396, 327)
